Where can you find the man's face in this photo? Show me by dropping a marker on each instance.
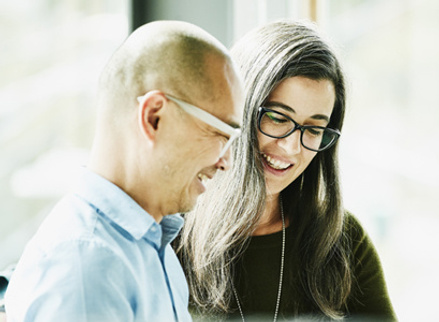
(194, 147)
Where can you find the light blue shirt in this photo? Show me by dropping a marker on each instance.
(99, 256)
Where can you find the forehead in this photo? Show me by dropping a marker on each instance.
(225, 98)
(305, 96)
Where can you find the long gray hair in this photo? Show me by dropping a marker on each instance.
(216, 231)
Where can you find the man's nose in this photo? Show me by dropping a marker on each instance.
(225, 162)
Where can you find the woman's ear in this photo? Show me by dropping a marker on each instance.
(150, 108)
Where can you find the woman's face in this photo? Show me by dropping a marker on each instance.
(308, 102)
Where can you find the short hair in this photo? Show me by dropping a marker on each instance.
(169, 56)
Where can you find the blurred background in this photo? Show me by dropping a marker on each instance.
(53, 51)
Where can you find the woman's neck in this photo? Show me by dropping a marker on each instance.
(271, 219)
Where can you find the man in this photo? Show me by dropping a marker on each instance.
(169, 105)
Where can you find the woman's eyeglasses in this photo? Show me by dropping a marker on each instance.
(278, 125)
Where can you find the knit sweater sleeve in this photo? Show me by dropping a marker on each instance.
(370, 298)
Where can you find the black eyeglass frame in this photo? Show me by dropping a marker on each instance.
(262, 110)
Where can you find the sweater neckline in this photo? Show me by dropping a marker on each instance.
(270, 240)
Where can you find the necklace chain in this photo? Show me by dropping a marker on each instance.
(281, 274)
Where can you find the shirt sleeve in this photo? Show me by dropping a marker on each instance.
(369, 298)
(82, 284)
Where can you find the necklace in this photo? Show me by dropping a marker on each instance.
(281, 274)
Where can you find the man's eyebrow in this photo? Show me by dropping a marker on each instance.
(291, 110)
(234, 125)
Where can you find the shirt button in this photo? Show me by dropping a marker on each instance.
(153, 229)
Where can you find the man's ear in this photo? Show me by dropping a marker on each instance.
(150, 109)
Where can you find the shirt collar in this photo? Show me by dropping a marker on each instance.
(120, 208)
(171, 226)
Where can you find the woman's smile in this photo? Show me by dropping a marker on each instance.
(275, 166)
(276, 163)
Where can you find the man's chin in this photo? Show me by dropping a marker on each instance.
(188, 201)
(188, 205)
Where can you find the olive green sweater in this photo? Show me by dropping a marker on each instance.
(257, 280)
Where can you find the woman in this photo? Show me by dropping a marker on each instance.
(271, 237)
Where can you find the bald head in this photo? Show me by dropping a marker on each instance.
(170, 56)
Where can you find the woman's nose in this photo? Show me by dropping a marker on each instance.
(291, 144)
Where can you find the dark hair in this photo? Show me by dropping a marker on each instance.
(266, 56)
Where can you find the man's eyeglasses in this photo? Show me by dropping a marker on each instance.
(207, 118)
(278, 125)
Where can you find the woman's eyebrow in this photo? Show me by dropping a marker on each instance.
(320, 117)
(291, 110)
(281, 105)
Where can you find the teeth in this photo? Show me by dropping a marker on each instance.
(276, 164)
(203, 177)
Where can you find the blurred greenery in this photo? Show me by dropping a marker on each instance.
(51, 57)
